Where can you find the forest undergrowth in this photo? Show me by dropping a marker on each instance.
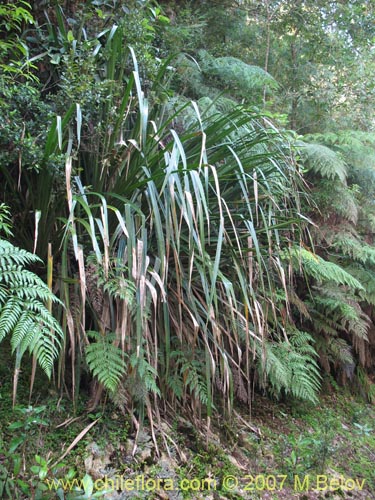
(281, 450)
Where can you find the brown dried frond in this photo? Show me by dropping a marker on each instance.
(75, 304)
(120, 398)
(239, 386)
(94, 292)
(298, 303)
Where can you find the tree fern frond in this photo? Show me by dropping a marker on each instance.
(42, 343)
(144, 372)
(189, 72)
(336, 350)
(367, 279)
(347, 316)
(3, 293)
(5, 220)
(356, 249)
(324, 325)
(224, 104)
(25, 325)
(305, 377)
(367, 213)
(340, 351)
(298, 303)
(323, 161)
(112, 280)
(175, 383)
(366, 383)
(33, 292)
(235, 73)
(322, 270)
(274, 370)
(303, 341)
(334, 197)
(41, 314)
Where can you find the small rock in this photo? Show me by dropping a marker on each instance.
(143, 454)
(98, 459)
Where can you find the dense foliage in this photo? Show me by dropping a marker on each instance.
(199, 245)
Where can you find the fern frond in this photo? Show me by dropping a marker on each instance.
(366, 384)
(347, 317)
(192, 373)
(334, 197)
(322, 160)
(23, 314)
(235, 73)
(33, 292)
(292, 367)
(340, 351)
(189, 72)
(322, 324)
(3, 293)
(5, 220)
(24, 327)
(175, 383)
(119, 287)
(11, 255)
(144, 372)
(305, 379)
(42, 343)
(367, 279)
(105, 360)
(355, 142)
(336, 351)
(322, 270)
(113, 281)
(9, 316)
(298, 303)
(355, 248)
(274, 369)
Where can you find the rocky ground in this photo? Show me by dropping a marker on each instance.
(282, 452)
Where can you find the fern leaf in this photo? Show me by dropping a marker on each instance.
(323, 161)
(322, 270)
(245, 78)
(9, 316)
(42, 343)
(175, 383)
(145, 372)
(24, 326)
(10, 255)
(367, 279)
(334, 197)
(348, 316)
(356, 249)
(23, 314)
(105, 360)
(292, 367)
(194, 380)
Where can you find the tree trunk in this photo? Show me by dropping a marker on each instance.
(294, 92)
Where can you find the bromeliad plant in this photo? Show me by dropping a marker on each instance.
(177, 240)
